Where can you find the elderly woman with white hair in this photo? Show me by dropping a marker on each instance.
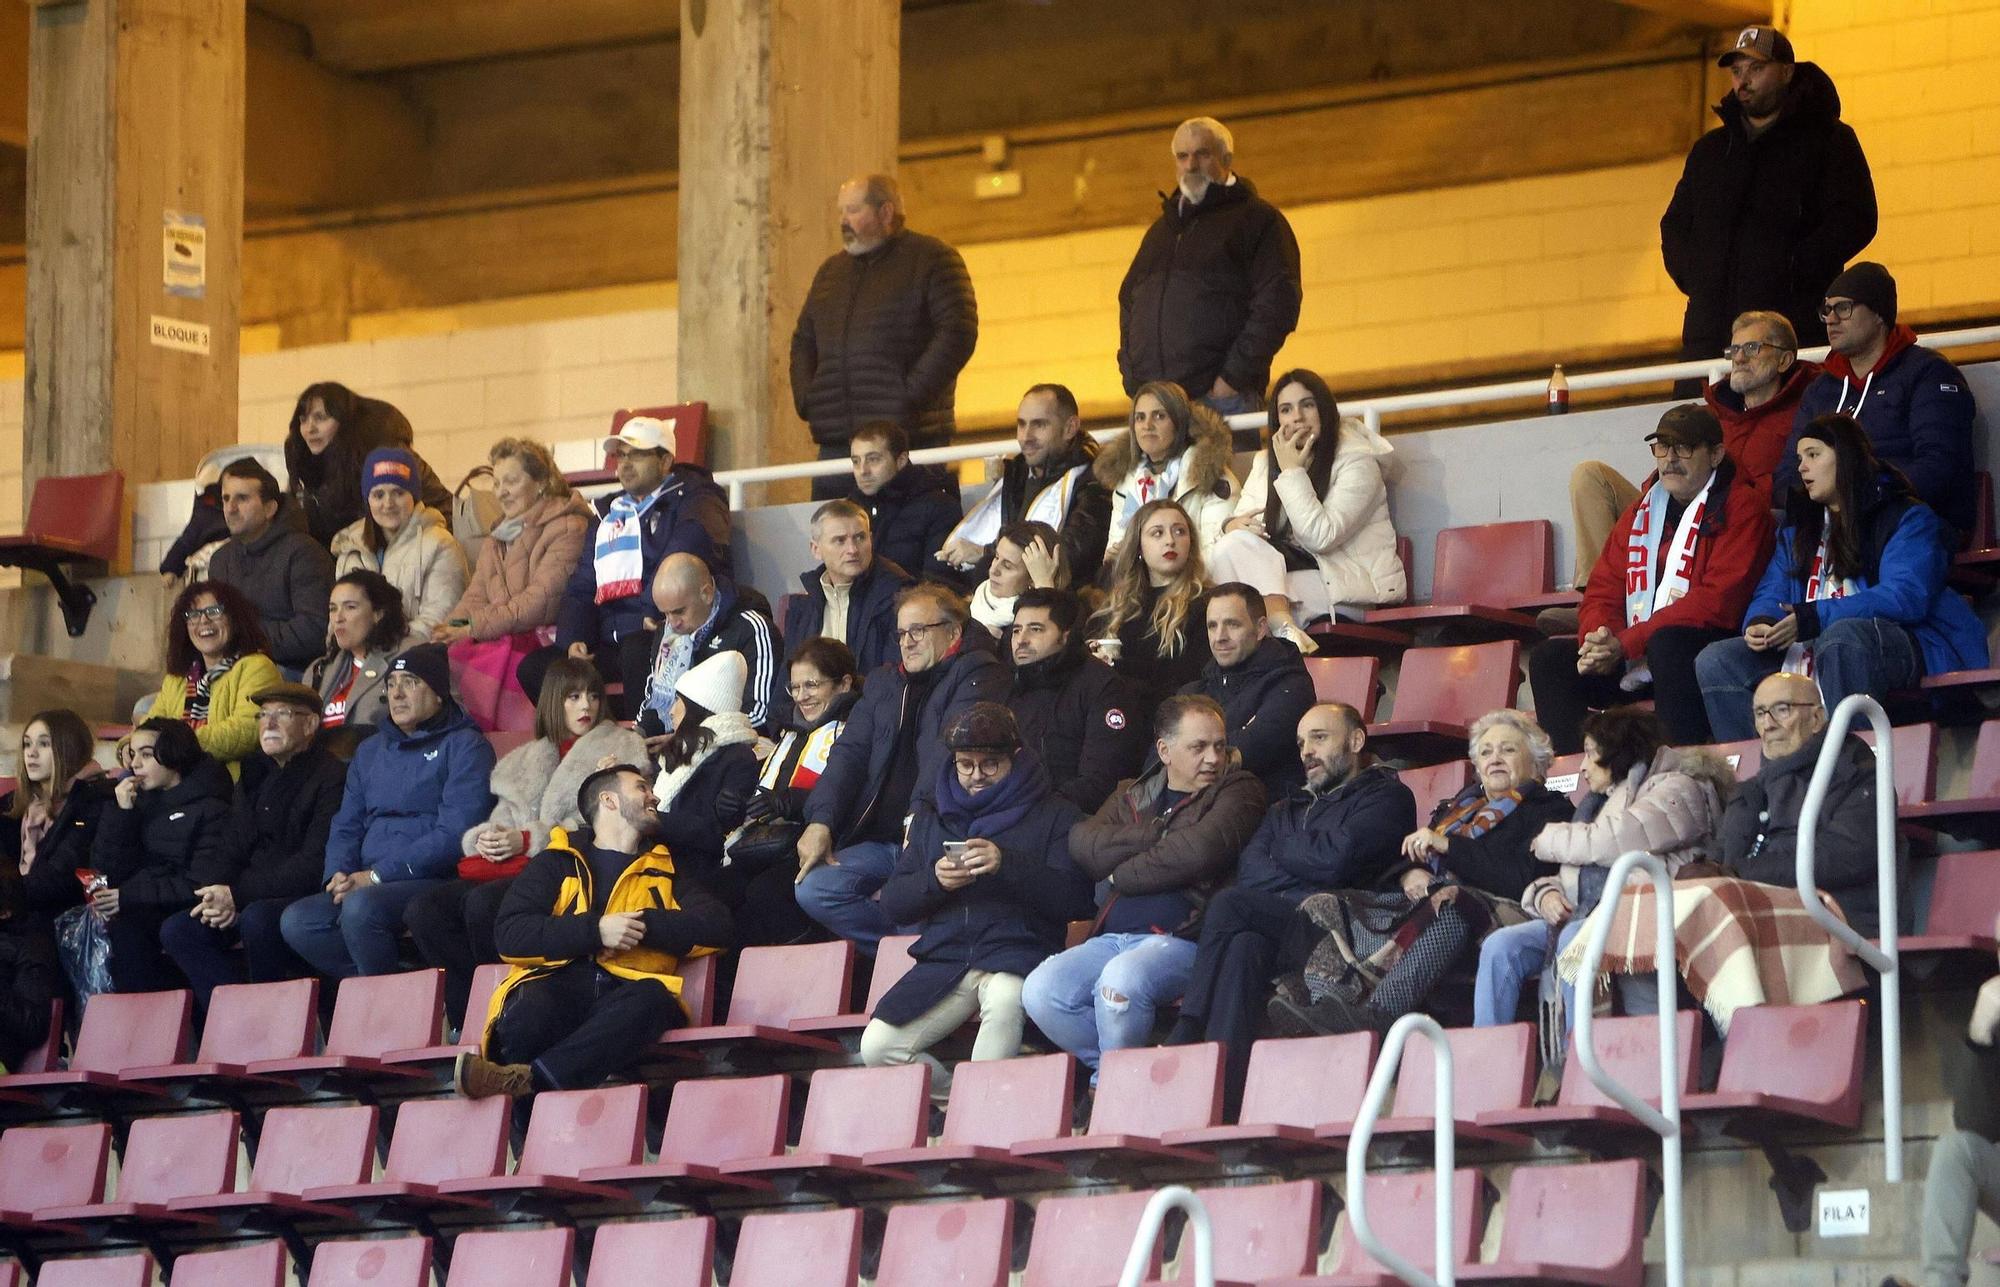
(1378, 954)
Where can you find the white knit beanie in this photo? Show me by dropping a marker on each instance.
(716, 684)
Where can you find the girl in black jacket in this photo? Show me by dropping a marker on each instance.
(709, 769)
(51, 818)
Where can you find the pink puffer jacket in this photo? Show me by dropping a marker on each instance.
(1671, 808)
(518, 584)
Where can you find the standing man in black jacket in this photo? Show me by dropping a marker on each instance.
(1261, 683)
(1772, 203)
(1080, 717)
(1215, 287)
(271, 854)
(886, 328)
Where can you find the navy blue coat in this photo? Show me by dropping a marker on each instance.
(410, 799)
(911, 516)
(871, 612)
(1263, 698)
(1346, 838)
(695, 825)
(690, 517)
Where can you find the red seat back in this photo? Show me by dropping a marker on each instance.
(256, 1264)
(1628, 1046)
(179, 1157)
(1262, 1230)
(1965, 895)
(1148, 1091)
(687, 420)
(1493, 1070)
(1307, 1081)
(1457, 685)
(1083, 1242)
(1580, 1216)
(574, 1130)
(1432, 783)
(1985, 762)
(132, 1030)
(1494, 563)
(305, 1148)
(862, 1110)
(377, 1262)
(479, 1001)
(999, 1103)
(1402, 1212)
(251, 1021)
(1812, 1053)
(948, 1244)
(1346, 679)
(98, 1271)
(45, 1057)
(503, 740)
(78, 513)
(698, 989)
(892, 962)
(775, 985)
(714, 1120)
(660, 1253)
(814, 1249)
(375, 1014)
(53, 1166)
(1914, 747)
(507, 1258)
(453, 1138)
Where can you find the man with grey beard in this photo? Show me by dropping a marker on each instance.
(886, 328)
(1215, 287)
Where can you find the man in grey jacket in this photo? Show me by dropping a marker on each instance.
(280, 569)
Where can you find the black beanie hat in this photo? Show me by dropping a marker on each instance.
(1867, 283)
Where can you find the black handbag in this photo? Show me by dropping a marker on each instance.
(765, 843)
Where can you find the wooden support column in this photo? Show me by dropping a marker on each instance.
(781, 100)
(135, 178)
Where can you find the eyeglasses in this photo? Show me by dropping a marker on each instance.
(1678, 450)
(804, 686)
(213, 612)
(915, 633)
(284, 716)
(1840, 309)
(1750, 349)
(1777, 712)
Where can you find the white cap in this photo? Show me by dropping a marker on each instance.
(716, 683)
(644, 433)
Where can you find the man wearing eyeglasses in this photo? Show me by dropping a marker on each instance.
(1915, 406)
(1760, 397)
(1674, 576)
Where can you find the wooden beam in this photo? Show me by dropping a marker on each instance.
(1708, 13)
(377, 35)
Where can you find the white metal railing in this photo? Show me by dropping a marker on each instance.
(1139, 1259)
(1444, 1103)
(1885, 959)
(1370, 410)
(1665, 1121)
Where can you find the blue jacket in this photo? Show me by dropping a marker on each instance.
(1346, 838)
(411, 797)
(1008, 922)
(1918, 413)
(1263, 698)
(1904, 562)
(690, 517)
(871, 612)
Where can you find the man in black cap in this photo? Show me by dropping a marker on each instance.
(1915, 407)
(1674, 576)
(1771, 202)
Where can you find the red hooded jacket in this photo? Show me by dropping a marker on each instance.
(1755, 439)
(1729, 556)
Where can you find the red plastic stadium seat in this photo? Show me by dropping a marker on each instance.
(814, 1249)
(1478, 576)
(256, 1264)
(479, 999)
(373, 1016)
(687, 420)
(711, 1120)
(892, 962)
(165, 1158)
(1786, 1064)
(1296, 1087)
(569, 1132)
(1354, 680)
(99, 1271)
(70, 520)
(301, 1148)
(1260, 1230)
(962, 1244)
(1432, 783)
(1571, 1224)
(51, 1166)
(1977, 811)
(1494, 1071)
(120, 1030)
(377, 1262)
(1584, 1116)
(659, 1253)
(1965, 902)
(995, 1104)
(1403, 1214)
(850, 1112)
(529, 1258)
(48, 1054)
(698, 989)
(247, 1023)
(1915, 748)
(1083, 1242)
(1439, 693)
(775, 987)
(1566, 777)
(435, 1140)
(1745, 757)
(1143, 1093)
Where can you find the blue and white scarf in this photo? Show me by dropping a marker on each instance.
(620, 556)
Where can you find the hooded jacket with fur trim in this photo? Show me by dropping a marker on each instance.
(1206, 489)
(1671, 807)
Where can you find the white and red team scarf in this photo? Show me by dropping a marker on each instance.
(1820, 586)
(1646, 591)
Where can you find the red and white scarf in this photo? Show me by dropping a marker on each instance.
(1647, 590)
(1821, 585)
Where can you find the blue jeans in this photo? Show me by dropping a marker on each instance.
(1860, 655)
(1508, 958)
(1102, 995)
(841, 895)
(357, 936)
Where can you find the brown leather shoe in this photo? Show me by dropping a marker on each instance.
(477, 1077)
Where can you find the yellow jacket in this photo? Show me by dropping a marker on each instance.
(231, 732)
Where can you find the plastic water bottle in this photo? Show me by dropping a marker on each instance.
(1558, 392)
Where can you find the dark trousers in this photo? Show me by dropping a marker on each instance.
(833, 486)
(628, 661)
(1563, 698)
(1241, 932)
(453, 929)
(580, 1025)
(208, 957)
(137, 963)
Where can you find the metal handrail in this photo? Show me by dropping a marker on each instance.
(1443, 1150)
(1174, 1195)
(1886, 959)
(1664, 1121)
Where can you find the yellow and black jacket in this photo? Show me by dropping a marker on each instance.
(549, 918)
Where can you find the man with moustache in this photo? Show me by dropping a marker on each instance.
(1079, 716)
(886, 328)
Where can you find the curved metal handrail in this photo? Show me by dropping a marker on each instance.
(1886, 959)
(1665, 1120)
(1174, 1195)
(1443, 1150)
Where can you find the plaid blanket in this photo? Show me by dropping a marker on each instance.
(1736, 942)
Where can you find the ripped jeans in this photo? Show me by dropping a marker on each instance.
(1071, 995)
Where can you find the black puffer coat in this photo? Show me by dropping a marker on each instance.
(1082, 720)
(151, 852)
(51, 884)
(327, 487)
(1263, 697)
(275, 843)
(883, 336)
(1213, 291)
(1768, 222)
(909, 519)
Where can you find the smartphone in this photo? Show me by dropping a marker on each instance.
(954, 852)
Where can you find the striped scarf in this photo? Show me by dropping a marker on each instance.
(620, 555)
(201, 678)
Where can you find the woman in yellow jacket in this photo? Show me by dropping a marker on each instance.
(216, 663)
